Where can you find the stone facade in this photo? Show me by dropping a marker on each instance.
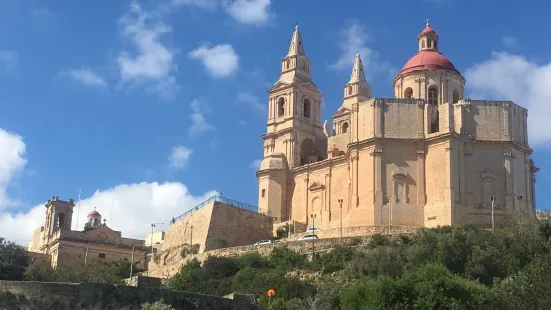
(216, 223)
(425, 158)
(97, 242)
(73, 294)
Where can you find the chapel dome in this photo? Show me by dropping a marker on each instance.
(94, 213)
(428, 56)
(428, 60)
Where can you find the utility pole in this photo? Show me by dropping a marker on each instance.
(151, 240)
(132, 262)
(340, 202)
(492, 197)
(313, 236)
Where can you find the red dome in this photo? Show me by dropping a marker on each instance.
(94, 213)
(427, 29)
(428, 60)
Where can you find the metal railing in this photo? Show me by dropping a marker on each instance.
(216, 198)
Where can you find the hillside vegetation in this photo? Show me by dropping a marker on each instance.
(442, 268)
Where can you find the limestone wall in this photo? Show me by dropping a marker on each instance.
(218, 225)
(72, 294)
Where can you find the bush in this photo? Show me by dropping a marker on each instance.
(286, 259)
(337, 258)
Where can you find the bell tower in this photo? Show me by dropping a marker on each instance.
(59, 215)
(294, 110)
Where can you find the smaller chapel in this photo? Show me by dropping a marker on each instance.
(426, 157)
(97, 242)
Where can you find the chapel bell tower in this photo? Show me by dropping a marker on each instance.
(59, 215)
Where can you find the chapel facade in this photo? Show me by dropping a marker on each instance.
(96, 242)
(427, 157)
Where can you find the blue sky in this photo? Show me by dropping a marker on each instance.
(149, 107)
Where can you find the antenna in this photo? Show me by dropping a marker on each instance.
(78, 208)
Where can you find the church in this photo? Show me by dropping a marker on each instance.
(96, 242)
(426, 157)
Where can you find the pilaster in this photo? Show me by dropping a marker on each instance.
(421, 195)
(508, 163)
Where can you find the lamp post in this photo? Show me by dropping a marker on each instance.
(132, 262)
(340, 203)
(86, 256)
(151, 240)
(313, 239)
(493, 222)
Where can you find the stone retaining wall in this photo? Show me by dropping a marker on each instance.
(71, 294)
(168, 262)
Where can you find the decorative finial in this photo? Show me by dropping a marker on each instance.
(296, 26)
(428, 23)
(357, 53)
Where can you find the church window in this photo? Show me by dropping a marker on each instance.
(61, 220)
(306, 108)
(455, 96)
(423, 44)
(408, 93)
(101, 255)
(349, 90)
(433, 96)
(263, 193)
(344, 127)
(287, 64)
(429, 43)
(435, 44)
(281, 107)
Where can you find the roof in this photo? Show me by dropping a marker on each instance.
(428, 60)
(94, 213)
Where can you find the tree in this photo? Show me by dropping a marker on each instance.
(13, 261)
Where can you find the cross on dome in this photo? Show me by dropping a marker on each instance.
(428, 22)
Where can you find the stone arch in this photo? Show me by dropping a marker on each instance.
(408, 93)
(281, 107)
(316, 207)
(344, 127)
(401, 194)
(455, 96)
(306, 106)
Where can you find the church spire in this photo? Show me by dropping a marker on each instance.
(296, 47)
(357, 70)
(357, 89)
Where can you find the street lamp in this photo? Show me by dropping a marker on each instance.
(340, 203)
(313, 216)
(492, 197)
(132, 262)
(151, 240)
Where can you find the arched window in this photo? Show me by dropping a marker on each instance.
(455, 96)
(433, 96)
(306, 108)
(281, 107)
(61, 220)
(287, 64)
(344, 127)
(408, 93)
(349, 90)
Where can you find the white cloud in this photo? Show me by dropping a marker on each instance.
(200, 125)
(153, 63)
(133, 207)
(255, 164)
(12, 160)
(250, 11)
(85, 76)
(8, 59)
(509, 42)
(179, 157)
(512, 77)
(219, 61)
(205, 4)
(354, 40)
(252, 101)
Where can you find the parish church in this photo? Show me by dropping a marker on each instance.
(426, 157)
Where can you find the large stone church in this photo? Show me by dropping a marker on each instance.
(426, 157)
